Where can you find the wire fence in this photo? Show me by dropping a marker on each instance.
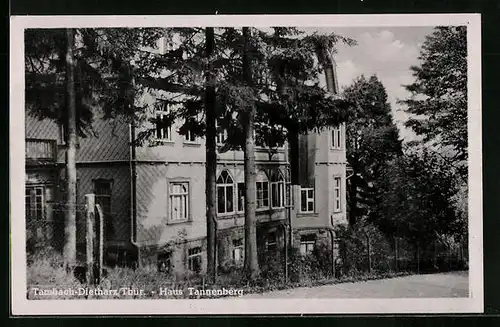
(358, 251)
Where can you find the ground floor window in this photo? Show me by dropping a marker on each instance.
(39, 220)
(336, 194)
(271, 241)
(35, 202)
(194, 259)
(102, 190)
(238, 250)
(164, 262)
(307, 243)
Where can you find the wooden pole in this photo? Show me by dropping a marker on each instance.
(90, 205)
(369, 253)
(396, 253)
(100, 237)
(418, 257)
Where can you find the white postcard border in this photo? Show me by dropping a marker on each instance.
(22, 306)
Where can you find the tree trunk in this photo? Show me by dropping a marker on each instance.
(69, 250)
(252, 270)
(211, 158)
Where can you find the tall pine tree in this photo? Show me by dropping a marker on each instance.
(438, 101)
(372, 140)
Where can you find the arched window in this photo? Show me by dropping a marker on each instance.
(277, 189)
(262, 189)
(225, 193)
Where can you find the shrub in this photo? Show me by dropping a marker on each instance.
(45, 270)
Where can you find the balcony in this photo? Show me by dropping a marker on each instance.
(42, 151)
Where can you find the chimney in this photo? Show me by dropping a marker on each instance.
(331, 76)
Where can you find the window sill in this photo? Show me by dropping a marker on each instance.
(175, 222)
(240, 214)
(226, 214)
(162, 141)
(191, 144)
(305, 214)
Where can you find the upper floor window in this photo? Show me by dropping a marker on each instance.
(277, 189)
(262, 190)
(41, 149)
(241, 197)
(337, 138)
(163, 127)
(178, 201)
(336, 194)
(221, 135)
(307, 199)
(225, 193)
(190, 137)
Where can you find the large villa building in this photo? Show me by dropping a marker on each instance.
(153, 197)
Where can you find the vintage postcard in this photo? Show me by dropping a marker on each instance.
(271, 164)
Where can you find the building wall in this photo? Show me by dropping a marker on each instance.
(119, 230)
(153, 226)
(178, 150)
(318, 170)
(109, 141)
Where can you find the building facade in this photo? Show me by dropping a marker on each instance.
(153, 197)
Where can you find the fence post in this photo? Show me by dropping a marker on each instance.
(418, 257)
(369, 253)
(396, 253)
(89, 236)
(100, 237)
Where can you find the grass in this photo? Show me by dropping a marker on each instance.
(45, 272)
(146, 283)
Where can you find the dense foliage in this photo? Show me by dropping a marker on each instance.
(438, 104)
(372, 140)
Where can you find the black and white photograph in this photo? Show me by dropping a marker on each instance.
(246, 164)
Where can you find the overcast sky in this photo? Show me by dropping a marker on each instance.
(386, 52)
